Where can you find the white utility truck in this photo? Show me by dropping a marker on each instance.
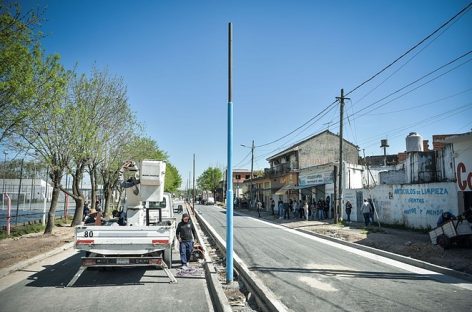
(143, 234)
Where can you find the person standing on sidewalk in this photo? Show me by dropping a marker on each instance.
(287, 210)
(185, 234)
(305, 209)
(259, 206)
(366, 212)
(348, 211)
(372, 209)
(272, 206)
(280, 207)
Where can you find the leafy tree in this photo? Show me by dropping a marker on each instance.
(20, 74)
(99, 113)
(210, 179)
(173, 180)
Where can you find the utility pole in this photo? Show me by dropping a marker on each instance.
(252, 170)
(337, 212)
(193, 204)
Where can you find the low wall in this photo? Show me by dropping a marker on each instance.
(413, 205)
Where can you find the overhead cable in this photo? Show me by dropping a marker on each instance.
(411, 49)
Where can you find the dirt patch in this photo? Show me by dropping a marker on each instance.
(14, 250)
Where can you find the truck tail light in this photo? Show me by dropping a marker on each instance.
(85, 242)
(160, 241)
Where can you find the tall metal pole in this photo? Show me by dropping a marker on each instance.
(193, 204)
(229, 182)
(252, 173)
(337, 212)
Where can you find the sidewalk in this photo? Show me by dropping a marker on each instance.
(408, 243)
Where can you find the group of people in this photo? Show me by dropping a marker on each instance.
(302, 209)
(94, 215)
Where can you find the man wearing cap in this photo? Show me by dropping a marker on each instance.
(185, 234)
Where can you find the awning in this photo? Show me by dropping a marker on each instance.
(284, 189)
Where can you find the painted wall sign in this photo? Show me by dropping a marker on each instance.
(464, 177)
(317, 178)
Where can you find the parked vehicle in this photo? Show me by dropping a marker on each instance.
(210, 201)
(144, 233)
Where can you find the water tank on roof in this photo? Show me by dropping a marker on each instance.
(414, 142)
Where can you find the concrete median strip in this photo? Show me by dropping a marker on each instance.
(265, 297)
(220, 302)
(23, 264)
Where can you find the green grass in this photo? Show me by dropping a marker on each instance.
(20, 230)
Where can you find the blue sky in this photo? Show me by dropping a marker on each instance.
(290, 60)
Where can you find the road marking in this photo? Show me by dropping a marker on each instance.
(394, 263)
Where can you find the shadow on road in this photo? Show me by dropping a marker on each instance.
(356, 274)
(59, 275)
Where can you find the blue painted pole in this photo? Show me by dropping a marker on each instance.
(229, 180)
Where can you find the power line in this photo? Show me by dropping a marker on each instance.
(435, 118)
(425, 104)
(415, 81)
(378, 73)
(283, 137)
(411, 49)
(403, 65)
(242, 160)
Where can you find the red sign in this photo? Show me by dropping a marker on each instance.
(464, 179)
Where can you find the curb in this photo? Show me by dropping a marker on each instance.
(21, 265)
(386, 254)
(219, 300)
(393, 256)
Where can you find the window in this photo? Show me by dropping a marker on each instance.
(247, 176)
(238, 177)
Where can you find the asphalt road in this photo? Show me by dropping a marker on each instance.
(40, 287)
(310, 274)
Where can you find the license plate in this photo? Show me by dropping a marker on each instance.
(122, 261)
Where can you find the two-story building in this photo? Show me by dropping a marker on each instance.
(306, 170)
(239, 187)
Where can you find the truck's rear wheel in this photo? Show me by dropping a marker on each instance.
(167, 256)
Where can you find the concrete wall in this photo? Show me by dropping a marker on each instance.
(324, 149)
(415, 206)
(393, 177)
(420, 167)
(445, 163)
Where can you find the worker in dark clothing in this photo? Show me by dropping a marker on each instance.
(185, 234)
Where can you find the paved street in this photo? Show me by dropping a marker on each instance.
(40, 287)
(310, 274)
